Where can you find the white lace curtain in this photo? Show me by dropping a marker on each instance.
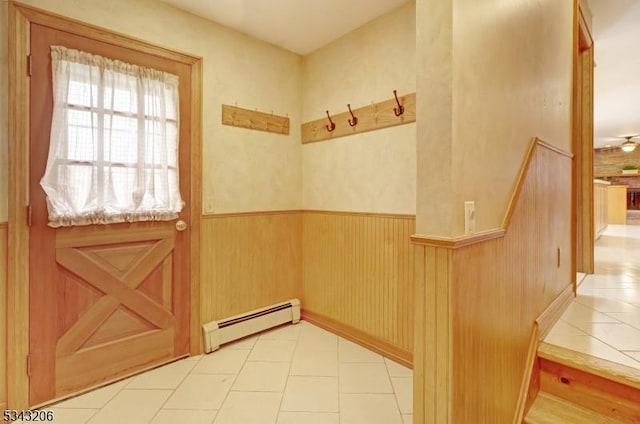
(113, 154)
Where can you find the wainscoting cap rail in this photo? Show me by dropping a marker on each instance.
(457, 242)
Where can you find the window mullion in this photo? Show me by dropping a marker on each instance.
(100, 147)
(142, 160)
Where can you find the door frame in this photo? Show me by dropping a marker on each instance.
(582, 129)
(20, 19)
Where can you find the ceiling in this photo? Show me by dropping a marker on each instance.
(300, 26)
(616, 32)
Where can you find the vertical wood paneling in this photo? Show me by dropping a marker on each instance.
(422, 404)
(249, 261)
(486, 298)
(3, 314)
(358, 271)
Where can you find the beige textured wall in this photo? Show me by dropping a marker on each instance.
(243, 170)
(510, 80)
(375, 171)
(4, 104)
(433, 117)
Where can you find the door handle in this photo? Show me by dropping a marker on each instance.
(181, 225)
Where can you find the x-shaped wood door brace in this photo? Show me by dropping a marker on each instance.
(118, 288)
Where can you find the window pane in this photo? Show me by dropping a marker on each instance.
(81, 193)
(121, 139)
(82, 93)
(120, 181)
(82, 136)
(120, 93)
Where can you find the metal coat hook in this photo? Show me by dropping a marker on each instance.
(400, 109)
(354, 121)
(332, 125)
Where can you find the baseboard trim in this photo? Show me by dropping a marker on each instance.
(375, 344)
(552, 314)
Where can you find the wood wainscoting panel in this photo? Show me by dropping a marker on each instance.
(249, 260)
(358, 271)
(3, 315)
(479, 319)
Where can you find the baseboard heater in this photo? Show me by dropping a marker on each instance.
(217, 333)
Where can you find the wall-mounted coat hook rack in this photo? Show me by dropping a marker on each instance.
(254, 120)
(332, 125)
(368, 118)
(400, 109)
(354, 120)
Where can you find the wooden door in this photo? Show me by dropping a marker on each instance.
(105, 300)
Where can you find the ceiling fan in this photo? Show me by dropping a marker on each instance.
(629, 145)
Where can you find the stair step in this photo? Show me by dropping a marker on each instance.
(610, 389)
(609, 370)
(549, 409)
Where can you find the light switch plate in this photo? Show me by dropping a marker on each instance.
(469, 217)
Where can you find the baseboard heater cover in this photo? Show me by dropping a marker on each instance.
(217, 333)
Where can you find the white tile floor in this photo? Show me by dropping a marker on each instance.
(296, 374)
(604, 319)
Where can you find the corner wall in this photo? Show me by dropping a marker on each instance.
(358, 192)
(370, 172)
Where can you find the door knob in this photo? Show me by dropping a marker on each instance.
(181, 225)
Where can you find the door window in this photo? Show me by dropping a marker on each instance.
(113, 153)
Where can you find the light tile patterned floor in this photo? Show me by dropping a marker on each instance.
(604, 319)
(296, 374)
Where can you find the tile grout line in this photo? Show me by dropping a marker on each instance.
(235, 378)
(173, 391)
(395, 394)
(286, 383)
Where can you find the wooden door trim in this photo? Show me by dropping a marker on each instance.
(20, 19)
(583, 233)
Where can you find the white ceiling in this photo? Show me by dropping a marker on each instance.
(300, 26)
(616, 31)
